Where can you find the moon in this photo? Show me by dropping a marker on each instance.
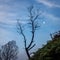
(44, 22)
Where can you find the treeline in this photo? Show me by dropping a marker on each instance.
(9, 51)
(50, 51)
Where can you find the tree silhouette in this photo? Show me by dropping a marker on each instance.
(33, 25)
(9, 51)
(55, 35)
(50, 51)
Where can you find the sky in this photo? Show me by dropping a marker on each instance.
(11, 10)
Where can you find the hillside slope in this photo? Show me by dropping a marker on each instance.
(50, 51)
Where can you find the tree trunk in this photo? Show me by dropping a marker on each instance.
(27, 53)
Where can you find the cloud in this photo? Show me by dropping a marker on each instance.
(7, 19)
(4, 0)
(4, 36)
(48, 3)
(50, 16)
(50, 19)
(10, 10)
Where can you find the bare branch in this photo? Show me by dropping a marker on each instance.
(51, 36)
(34, 26)
(21, 31)
(32, 47)
(32, 35)
(36, 17)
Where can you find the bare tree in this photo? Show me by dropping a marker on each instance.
(33, 25)
(9, 51)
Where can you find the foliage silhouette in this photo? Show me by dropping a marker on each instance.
(50, 51)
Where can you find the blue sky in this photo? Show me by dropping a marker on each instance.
(11, 10)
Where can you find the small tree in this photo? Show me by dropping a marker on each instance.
(9, 51)
(33, 25)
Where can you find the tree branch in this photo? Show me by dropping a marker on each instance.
(32, 47)
(21, 31)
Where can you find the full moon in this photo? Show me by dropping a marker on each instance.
(44, 22)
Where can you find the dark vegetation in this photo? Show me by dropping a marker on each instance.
(50, 51)
(9, 51)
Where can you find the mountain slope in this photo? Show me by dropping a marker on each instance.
(50, 51)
